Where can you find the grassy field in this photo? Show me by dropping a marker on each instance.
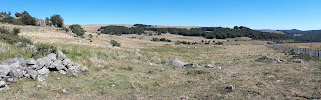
(122, 74)
(315, 46)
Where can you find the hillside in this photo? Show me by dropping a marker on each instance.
(140, 68)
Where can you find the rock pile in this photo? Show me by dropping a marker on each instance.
(267, 59)
(178, 63)
(14, 69)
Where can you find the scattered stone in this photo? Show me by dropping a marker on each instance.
(191, 65)
(267, 59)
(12, 80)
(134, 50)
(115, 47)
(175, 62)
(32, 47)
(17, 73)
(230, 88)
(41, 78)
(209, 66)
(2, 49)
(298, 60)
(65, 91)
(84, 69)
(183, 97)
(18, 43)
(39, 86)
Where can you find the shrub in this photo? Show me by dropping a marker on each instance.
(16, 31)
(77, 30)
(115, 43)
(12, 39)
(90, 36)
(66, 29)
(44, 50)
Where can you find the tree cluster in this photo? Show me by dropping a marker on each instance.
(118, 30)
(207, 32)
(161, 39)
(77, 29)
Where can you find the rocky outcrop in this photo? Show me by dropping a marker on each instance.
(174, 62)
(40, 22)
(15, 68)
(267, 59)
(178, 63)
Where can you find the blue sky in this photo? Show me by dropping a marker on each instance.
(256, 14)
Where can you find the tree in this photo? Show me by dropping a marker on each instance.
(57, 20)
(28, 19)
(48, 21)
(77, 29)
(18, 15)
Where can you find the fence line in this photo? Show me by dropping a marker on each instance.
(301, 50)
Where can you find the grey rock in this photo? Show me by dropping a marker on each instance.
(65, 91)
(4, 70)
(15, 66)
(191, 65)
(52, 57)
(40, 62)
(48, 61)
(31, 61)
(18, 43)
(61, 55)
(62, 72)
(298, 60)
(40, 22)
(4, 86)
(55, 64)
(2, 49)
(43, 71)
(17, 73)
(174, 62)
(83, 69)
(32, 47)
(33, 74)
(209, 66)
(10, 61)
(12, 80)
(230, 88)
(134, 50)
(267, 59)
(41, 78)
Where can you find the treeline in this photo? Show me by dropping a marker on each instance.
(311, 37)
(118, 30)
(207, 32)
(24, 18)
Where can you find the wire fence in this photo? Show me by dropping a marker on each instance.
(301, 50)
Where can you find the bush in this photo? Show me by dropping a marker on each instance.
(115, 43)
(57, 21)
(66, 29)
(44, 50)
(15, 31)
(12, 39)
(77, 30)
(90, 36)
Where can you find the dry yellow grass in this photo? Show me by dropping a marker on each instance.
(138, 75)
(315, 46)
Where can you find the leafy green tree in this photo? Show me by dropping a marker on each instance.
(77, 29)
(57, 20)
(115, 43)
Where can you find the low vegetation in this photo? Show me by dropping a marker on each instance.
(115, 43)
(207, 32)
(161, 39)
(77, 29)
